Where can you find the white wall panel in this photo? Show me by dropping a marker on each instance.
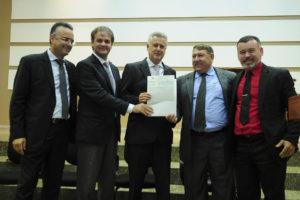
(66, 9)
(176, 56)
(11, 78)
(177, 31)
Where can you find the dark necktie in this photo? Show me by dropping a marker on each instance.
(244, 115)
(199, 123)
(63, 90)
(110, 76)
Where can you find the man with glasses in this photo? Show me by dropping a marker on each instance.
(42, 110)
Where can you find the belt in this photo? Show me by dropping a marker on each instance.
(196, 133)
(251, 137)
(57, 120)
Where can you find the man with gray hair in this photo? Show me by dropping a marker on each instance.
(148, 139)
(205, 144)
(98, 125)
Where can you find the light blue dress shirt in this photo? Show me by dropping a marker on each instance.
(55, 70)
(215, 109)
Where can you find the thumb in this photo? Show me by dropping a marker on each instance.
(279, 144)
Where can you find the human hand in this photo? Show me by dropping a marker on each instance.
(143, 109)
(171, 118)
(288, 148)
(19, 145)
(144, 97)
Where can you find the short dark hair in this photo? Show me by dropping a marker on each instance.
(206, 47)
(58, 24)
(247, 38)
(104, 29)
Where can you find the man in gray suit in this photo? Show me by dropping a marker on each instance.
(205, 144)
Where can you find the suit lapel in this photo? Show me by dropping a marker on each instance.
(262, 84)
(102, 72)
(48, 70)
(189, 87)
(224, 83)
(145, 68)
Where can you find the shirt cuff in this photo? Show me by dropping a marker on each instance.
(130, 108)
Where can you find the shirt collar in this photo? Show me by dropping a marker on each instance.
(210, 72)
(51, 56)
(256, 70)
(99, 58)
(151, 64)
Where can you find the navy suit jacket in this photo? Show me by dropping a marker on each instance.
(99, 108)
(142, 129)
(33, 100)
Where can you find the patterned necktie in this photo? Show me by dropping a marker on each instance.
(199, 123)
(156, 70)
(110, 76)
(63, 90)
(244, 114)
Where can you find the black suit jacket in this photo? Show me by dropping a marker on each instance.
(142, 129)
(275, 87)
(185, 87)
(98, 109)
(33, 99)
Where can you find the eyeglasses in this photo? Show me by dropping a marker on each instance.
(68, 40)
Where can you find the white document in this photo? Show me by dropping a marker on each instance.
(163, 92)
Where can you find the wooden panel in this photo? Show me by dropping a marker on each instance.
(294, 108)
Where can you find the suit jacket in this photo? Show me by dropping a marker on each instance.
(98, 109)
(185, 87)
(142, 129)
(275, 87)
(33, 99)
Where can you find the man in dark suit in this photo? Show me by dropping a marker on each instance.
(264, 139)
(42, 111)
(148, 139)
(98, 121)
(203, 102)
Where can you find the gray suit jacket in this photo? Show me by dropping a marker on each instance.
(185, 86)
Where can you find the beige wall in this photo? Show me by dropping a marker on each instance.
(5, 21)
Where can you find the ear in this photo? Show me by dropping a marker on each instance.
(212, 56)
(51, 37)
(261, 51)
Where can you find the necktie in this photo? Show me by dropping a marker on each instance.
(199, 123)
(63, 90)
(244, 114)
(110, 76)
(156, 70)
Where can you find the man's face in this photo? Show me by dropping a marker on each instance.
(61, 42)
(156, 49)
(202, 60)
(102, 44)
(249, 54)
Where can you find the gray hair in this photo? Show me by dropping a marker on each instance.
(247, 38)
(159, 35)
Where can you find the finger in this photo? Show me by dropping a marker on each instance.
(284, 153)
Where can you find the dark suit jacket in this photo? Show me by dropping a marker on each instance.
(185, 87)
(33, 99)
(142, 129)
(99, 109)
(275, 87)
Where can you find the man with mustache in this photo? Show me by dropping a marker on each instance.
(42, 112)
(264, 139)
(148, 139)
(205, 143)
(98, 120)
